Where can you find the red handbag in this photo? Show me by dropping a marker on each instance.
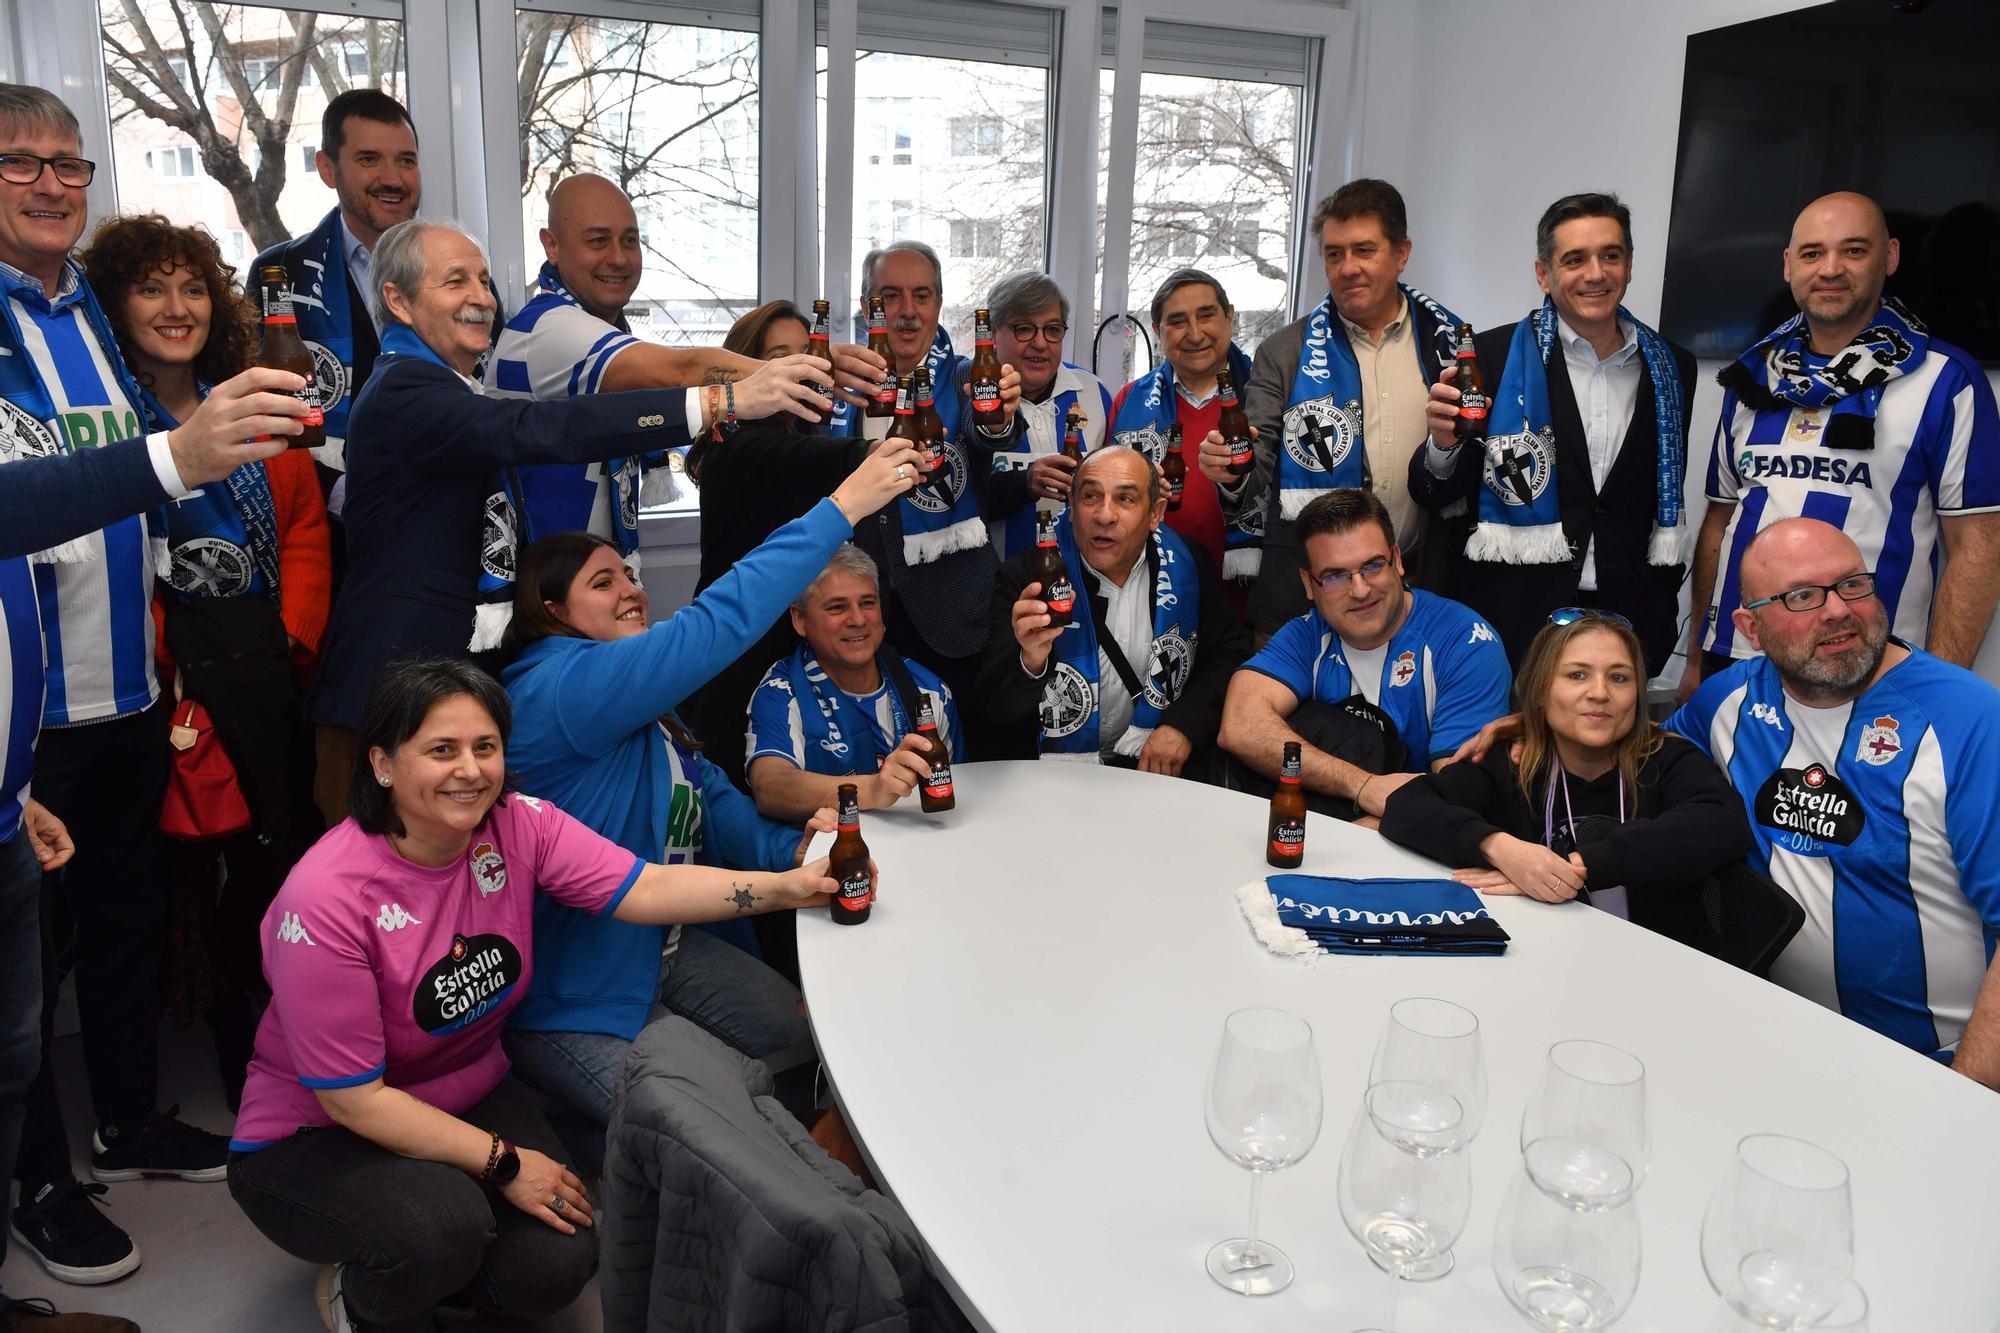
(203, 797)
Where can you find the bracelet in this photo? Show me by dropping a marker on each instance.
(729, 413)
(1363, 787)
(492, 1158)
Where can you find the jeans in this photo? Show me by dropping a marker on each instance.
(106, 781)
(20, 997)
(415, 1234)
(712, 984)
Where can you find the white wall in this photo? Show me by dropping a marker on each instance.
(1483, 111)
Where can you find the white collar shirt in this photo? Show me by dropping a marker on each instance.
(1606, 391)
(1128, 619)
(361, 268)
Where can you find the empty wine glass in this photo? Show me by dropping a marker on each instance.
(1435, 1042)
(1785, 1291)
(1780, 1228)
(1263, 1110)
(1567, 1249)
(1593, 1093)
(1405, 1184)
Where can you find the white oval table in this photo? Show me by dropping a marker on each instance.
(1021, 1035)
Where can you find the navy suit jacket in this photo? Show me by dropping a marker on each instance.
(422, 451)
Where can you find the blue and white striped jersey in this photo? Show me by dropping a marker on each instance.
(20, 688)
(97, 621)
(1882, 818)
(1937, 452)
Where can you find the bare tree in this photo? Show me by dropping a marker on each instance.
(184, 64)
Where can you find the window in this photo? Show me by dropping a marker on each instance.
(975, 238)
(975, 136)
(151, 68)
(668, 111)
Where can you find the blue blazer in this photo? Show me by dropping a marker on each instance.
(422, 450)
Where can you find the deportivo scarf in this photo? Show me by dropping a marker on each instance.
(505, 530)
(836, 726)
(944, 516)
(1069, 712)
(1151, 406)
(31, 426)
(570, 489)
(1323, 448)
(218, 543)
(1779, 371)
(1520, 511)
(1016, 532)
(318, 271)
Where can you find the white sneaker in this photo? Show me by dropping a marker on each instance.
(329, 1293)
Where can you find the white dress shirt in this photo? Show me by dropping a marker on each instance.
(360, 267)
(1606, 391)
(1128, 618)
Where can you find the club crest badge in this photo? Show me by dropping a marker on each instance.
(1319, 424)
(1149, 440)
(22, 435)
(1067, 702)
(1518, 467)
(1879, 742)
(210, 567)
(329, 376)
(497, 541)
(1803, 427)
(1403, 670)
(1172, 658)
(939, 496)
(489, 872)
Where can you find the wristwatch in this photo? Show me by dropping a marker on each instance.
(502, 1162)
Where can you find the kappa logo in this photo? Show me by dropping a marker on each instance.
(1518, 467)
(1067, 702)
(1768, 713)
(1404, 670)
(1879, 743)
(210, 567)
(1480, 633)
(291, 930)
(392, 917)
(489, 872)
(532, 802)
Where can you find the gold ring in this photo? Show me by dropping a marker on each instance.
(558, 1203)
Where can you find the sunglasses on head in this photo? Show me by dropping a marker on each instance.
(1569, 615)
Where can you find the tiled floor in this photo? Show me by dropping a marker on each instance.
(206, 1269)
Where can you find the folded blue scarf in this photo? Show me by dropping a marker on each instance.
(1387, 916)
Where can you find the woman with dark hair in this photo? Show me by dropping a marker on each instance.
(1594, 802)
(242, 604)
(380, 1131)
(772, 330)
(595, 690)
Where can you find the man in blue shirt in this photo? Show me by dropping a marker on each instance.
(1422, 663)
(1868, 767)
(843, 707)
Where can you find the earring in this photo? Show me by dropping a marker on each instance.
(383, 781)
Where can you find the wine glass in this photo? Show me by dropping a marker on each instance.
(1781, 1223)
(1567, 1250)
(1405, 1183)
(1436, 1042)
(1263, 1110)
(1595, 1094)
(1785, 1291)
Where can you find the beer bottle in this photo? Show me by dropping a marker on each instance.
(1234, 424)
(285, 350)
(1173, 469)
(1473, 403)
(929, 428)
(819, 343)
(1049, 570)
(985, 376)
(904, 409)
(847, 863)
(883, 404)
(1072, 440)
(936, 792)
(1286, 846)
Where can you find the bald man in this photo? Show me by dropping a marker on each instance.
(1137, 677)
(1852, 413)
(572, 337)
(1870, 770)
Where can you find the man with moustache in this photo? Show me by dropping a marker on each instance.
(1030, 317)
(1574, 496)
(1337, 398)
(1371, 654)
(1852, 413)
(434, 476)
(1867, 768)
(1137, 677)
(368, 157)
(572, 337)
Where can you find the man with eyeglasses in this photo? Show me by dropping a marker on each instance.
(1851, 412)
(1867, 767)
(78, 627)
(1422, 670)
(1030, 317)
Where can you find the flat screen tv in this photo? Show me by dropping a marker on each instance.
(1900, 101)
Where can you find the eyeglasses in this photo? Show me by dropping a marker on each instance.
(27, 168)
(1334, 579)
(1050, 332)
(1569, 615)
(1811, 597)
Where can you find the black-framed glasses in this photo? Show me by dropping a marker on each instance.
(1812, 596)
(1335, 579)
(1054, 333)
(1569, 615)
(27, 168)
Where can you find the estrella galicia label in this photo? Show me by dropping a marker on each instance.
(468, 983)
(1812, 806)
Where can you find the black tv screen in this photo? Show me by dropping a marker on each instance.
(1898, 101)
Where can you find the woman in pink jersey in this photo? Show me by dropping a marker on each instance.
(381, 1132)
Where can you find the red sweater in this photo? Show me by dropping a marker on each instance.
(1200, 516)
